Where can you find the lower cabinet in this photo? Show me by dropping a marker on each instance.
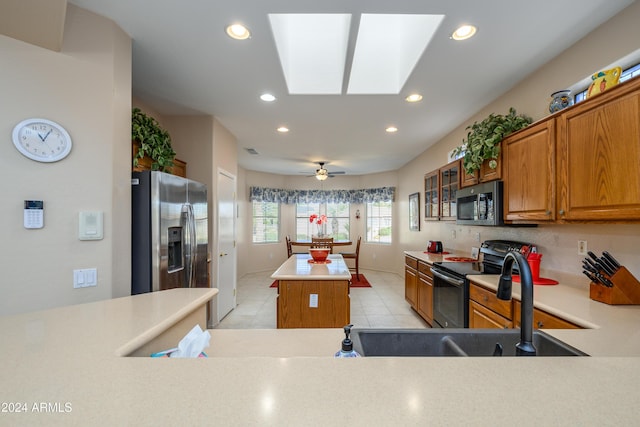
(425, 292)
(487, 311)
(542, 319)
(418, 287)
(411, 281)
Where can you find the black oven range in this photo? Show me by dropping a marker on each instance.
(451, 286)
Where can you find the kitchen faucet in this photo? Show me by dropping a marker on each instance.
(525, 347)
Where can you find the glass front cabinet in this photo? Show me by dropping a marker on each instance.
(440, 188)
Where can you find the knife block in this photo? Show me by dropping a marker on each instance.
(625, 290)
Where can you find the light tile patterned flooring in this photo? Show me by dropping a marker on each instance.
(381, 306)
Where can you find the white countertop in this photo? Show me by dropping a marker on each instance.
(70, 356)
(298, 267)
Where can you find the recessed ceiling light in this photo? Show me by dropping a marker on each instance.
(414, 97)
(238, 32)
(267, 97)
(283, 129)
(391, 129)
(464, 32)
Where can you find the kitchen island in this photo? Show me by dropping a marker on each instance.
(313, 295)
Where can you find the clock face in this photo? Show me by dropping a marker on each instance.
(42, 140)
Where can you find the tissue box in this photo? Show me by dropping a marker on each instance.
(192, 345)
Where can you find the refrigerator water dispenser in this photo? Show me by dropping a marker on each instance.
(176, 260)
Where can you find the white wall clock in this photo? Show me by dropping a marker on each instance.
(42, 140)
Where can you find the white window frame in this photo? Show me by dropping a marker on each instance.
(376, 221)
(265, 218)
(328, 228)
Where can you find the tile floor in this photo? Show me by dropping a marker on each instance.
(381, 306)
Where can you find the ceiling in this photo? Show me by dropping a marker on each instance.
(184, 63)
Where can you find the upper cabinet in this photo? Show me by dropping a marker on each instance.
(485, 174)
(580, 164)
(440, 189)
(529, 173)
(599, 157)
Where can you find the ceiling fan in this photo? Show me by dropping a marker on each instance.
(322, 173)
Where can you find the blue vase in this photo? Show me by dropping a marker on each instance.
(560, 100)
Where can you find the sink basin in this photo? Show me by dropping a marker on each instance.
(452, 342)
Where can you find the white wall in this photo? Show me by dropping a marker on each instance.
(86, 87)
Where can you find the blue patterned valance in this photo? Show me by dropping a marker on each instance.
(260, 194)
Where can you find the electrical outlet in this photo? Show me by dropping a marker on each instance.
(582, 247)
(477, 237)
(453, 234)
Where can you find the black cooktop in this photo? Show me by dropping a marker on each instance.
(461, 268)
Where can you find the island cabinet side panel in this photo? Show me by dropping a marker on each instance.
(313, 304)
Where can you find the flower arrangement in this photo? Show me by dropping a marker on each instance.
(319, 220)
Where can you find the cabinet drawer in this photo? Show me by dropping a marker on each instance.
(411, 262)
(425, 269)
(483, 318)
(489, 299)
(543, 320)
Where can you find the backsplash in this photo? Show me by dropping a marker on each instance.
(557, 243)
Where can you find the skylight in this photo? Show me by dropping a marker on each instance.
(313, 51)
(387, 50)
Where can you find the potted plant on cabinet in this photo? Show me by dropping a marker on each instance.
(483, 139)
(153, 141)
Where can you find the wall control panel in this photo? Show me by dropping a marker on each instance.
(90, 226)
(33, 214)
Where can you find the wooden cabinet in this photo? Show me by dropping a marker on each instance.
(580, 164)
(487, 311)
(425, 292)
(332, 308)
(432, 196)
(529, 173)
(440, 189)
(482, 317)
(411, 281)
(599, 156)
(542, 319)
(485, 174)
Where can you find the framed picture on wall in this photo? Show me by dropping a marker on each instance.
(414, 212)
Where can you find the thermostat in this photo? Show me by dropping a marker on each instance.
(90, 226)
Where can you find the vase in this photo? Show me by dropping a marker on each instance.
(560, 100)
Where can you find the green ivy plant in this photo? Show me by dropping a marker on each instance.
(154, 141)
(483, 139)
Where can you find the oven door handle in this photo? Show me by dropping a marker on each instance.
(451, 280)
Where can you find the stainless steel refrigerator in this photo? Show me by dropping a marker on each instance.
(169, 247)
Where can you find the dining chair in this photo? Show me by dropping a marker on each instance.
(354, 256)
(322, 242)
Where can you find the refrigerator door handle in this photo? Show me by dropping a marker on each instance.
(190, 245)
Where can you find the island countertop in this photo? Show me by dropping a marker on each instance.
(298, 267)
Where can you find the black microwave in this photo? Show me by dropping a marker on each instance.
(480, 204)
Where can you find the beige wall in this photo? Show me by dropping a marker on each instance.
(86, 87)
(617, 38)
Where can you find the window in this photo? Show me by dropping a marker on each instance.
(337, 225)
(266, 222)
(379, 220)
(626, 75)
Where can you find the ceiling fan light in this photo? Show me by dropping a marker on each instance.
(321, 177)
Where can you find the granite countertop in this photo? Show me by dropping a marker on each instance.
(298, 267)
(64, 367)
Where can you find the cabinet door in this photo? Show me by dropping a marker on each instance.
(410, 286)
(529, 173)
(449, 185)
(599, 157)
(485, 174)
(425, 293)
(431, 196)
(482, 317)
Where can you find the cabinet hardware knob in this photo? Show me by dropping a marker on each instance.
(561, 212)
(540, 324)
(485, 298)
(547, 213)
